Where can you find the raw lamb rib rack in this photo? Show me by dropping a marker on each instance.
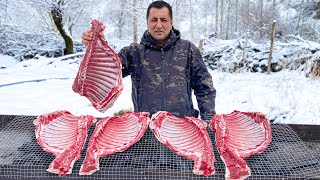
(111, 135)
(63, 135)
(240, 135)
(186, 137)
(99, 77)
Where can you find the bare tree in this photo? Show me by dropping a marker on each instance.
(217, 19)
(128, 18)
(119, 17)
(3, 11)
(236, 15)
(248, 21)
(261, 18)
(287, 24)
(57, 16)
(228, 18)
(61, 15)
(301, 19)
(221, 17)
(135, 26)
(317, 10)
(274, 9)
(191, 20)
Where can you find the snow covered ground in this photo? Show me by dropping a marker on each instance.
(44, 85)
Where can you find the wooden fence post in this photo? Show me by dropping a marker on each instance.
(271, 46)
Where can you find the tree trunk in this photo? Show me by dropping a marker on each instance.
(217, 19)
(273, 9)
(236, 14)
(120, 23)
(57, 18)
(228, 19)
(191, 19)
(261, 19)
(288, 25)
(221, 18)
(317, 10)
(135, 26)
(200, 46)
(302, 29)
(298, 22)
(247, 8)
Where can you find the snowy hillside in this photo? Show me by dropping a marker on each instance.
(43, 85)
(242, 54)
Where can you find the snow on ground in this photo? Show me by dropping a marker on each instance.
(44, 85)
(286, 97)
(7, 61)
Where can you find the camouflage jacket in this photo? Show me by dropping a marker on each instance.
(163, 77)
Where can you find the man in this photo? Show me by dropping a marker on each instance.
(165, 68)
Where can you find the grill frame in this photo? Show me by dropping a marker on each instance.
(21, 157)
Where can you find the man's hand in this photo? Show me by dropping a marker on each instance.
(87, 37)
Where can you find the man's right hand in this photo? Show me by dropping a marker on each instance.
(87, 37)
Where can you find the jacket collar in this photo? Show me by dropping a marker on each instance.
(149, 41)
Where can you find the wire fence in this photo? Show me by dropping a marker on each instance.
(287, 157)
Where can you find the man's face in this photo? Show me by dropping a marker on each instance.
(159, 24)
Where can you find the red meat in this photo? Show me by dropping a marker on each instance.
(63, 135)
(240, 135)
(111, 135)
(186, 137)
(99, 77)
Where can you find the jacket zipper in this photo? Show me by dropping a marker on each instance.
(163, 85)
(189, 91)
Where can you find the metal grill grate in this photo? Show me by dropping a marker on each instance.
(21, 157)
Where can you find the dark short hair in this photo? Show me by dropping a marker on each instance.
(159, 5)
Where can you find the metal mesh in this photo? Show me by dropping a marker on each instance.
(21, 157)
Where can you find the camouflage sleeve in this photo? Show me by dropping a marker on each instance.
(201, 83)
(125, 57)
